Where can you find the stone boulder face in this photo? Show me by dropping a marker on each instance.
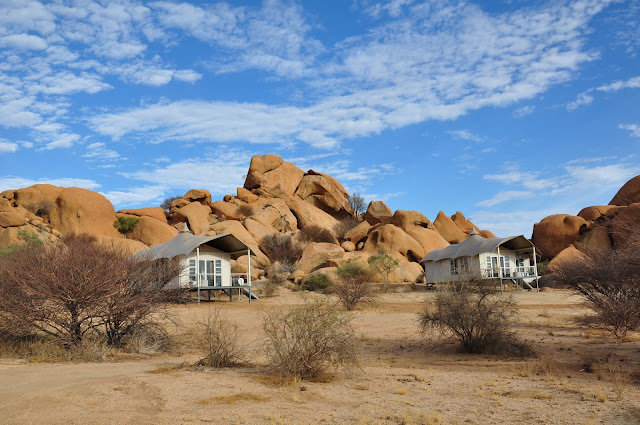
(83, 211)
(154, 212)
(245, 196)
(320, 192)
(274, 213)
(463, 224)
(258, 231)
(333, 181)
(628, 194)
(601, 211)
(570, 253)
(395, 242)
(36, 193)
(198, 195)
(595, 241)
(420, 228)
(308, 215)
(152, 232)
(555, 233)
(273, 176)
(407, 272)
(487, 234)
(358, 233)
(226, 210)
(11, 218)
(448, 229)
(377, 212)
(316, 254)
(196, 215)
(625, 227)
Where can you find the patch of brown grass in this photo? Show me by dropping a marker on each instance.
(232, 398)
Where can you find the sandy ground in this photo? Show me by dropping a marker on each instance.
(403, 379)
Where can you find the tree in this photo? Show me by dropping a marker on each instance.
(357, 204)
(609, 282)
(78, 287)
(126, 224)
(473, 313)
(383, 265)
(354, 288)
(166, 204)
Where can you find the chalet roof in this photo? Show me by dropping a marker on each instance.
(185, 242)
(476, 244)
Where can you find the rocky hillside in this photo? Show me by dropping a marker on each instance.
(595, 228)
(279, 206)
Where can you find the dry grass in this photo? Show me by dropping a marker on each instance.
(233, 398)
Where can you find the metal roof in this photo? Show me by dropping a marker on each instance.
(476, 244)
(185, 242)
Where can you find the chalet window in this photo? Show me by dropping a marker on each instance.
(454, 268)
(192, 270)
(218, 272)
(520, 264)
(463, 264)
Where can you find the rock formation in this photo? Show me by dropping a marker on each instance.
(278, 199)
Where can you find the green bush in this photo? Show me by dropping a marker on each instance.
(126, 224)
(353, 287)
(317, 282)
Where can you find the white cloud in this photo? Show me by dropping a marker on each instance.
(506, 196)
(23, 41)
(466, 135)
(6, 147)
(389, 78)
(220, 172)
(524, 111)
(8, 183)
(135, 196)
(66, 83)
(634, 129)
(63, 140)
(99, 151)
(583, 99)
(632, 83)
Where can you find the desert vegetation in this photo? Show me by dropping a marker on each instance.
(353, 287)
(78, 289)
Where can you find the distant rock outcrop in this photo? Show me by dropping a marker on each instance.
(628, 194)
(309, 210)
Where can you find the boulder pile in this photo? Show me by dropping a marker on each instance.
(595, 228)
(279, 201)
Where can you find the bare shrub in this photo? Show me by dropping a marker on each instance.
(41, 208)
(246, 210)
(279, 246)
(315, 233)
(353, 288)
(307, 340)
(268, 289)
(166, 204)
(471, 312)
(219, 341)
(77, 288)
(357, 203)
(609, 282)
(317, 282)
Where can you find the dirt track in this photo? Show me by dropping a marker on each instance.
(402, 380)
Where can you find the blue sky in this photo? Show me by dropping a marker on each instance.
(505, 110)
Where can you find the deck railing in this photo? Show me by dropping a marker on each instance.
(509, 272)
(220, 280)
